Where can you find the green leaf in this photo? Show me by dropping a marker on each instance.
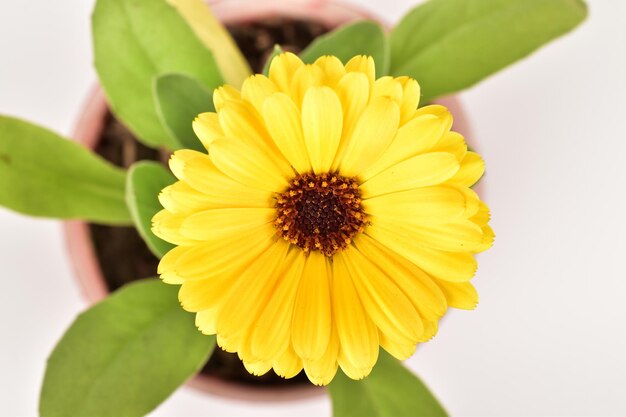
(43, 174)
(135, 41)
(360, 38)
(277, 51)
(390, 390)
(214, 35)
(144, 183)
(449, 45)
(179, 99)
(125, 355)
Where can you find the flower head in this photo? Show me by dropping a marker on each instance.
(329, 217)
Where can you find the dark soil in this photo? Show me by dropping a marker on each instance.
(257, 39)
(122, 254)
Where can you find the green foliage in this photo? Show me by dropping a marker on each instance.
(216, 38)
(124, 356)
(179, 99)
(144, 183)
(277, 51)
(449, 45)
(135, 41)
(360, 38)
(390, 390)
(43, 174)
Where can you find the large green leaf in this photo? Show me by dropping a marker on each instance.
(179, 99)
(144, 183)
(135, 41)
(449, 45)
(43, 174)
(124, 356)
(214, 35)
(390, 390)
(360, 38)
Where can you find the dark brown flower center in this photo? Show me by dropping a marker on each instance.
(320, 212)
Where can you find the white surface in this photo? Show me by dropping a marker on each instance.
(548, 337)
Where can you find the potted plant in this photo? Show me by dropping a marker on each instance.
(316, 211)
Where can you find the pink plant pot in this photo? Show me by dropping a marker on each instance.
(88, 132)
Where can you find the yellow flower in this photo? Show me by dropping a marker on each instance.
(329, 217)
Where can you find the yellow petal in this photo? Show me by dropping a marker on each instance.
(202, 295)
(167, 263)
(383, 301)
(311, 323)
(258, 368)
(271, 335)
(397, 350)
(353, 371)
(417, 136)
(419, 171)
(256, 89)
(452, 142)
(180, 198)
(321, 371)
(430, 330)
(240, 121)
(170, 278)
(461, 295)
(179, 158)
(230, 344)
(221, 223)
(288, 364)
(358, 336)
(421, 290)
(482, 215)
(353, 91)
(251, 291)
(363, 64)
(419, 206)
(322, 122)
(389, 87)
(223, 94)
(244, 343)
(487, 241)
(457, 236)
(437, 110)
(332, 68)
(471, 170)
(245, 164)
(207, 127)
(472, 201)
(166, 226)
(283, 121)
(283, 68)
(216, 188)
(373, 133)
(206, 319)
(305, 78)
(448, 266)
(410, 98)
(209, 260)
(211, 271)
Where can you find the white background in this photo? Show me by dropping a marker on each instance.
(548, 337)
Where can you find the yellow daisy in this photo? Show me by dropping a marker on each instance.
(329, 217)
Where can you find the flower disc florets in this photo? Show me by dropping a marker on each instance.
(320, 212)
